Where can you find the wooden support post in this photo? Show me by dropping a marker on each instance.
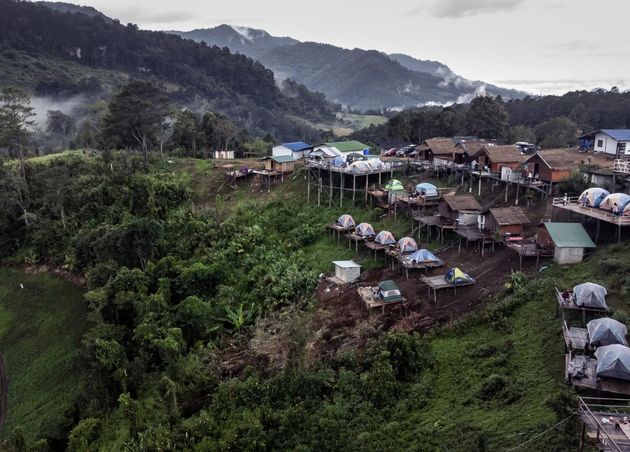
(619, 232)
(330, 193)
(518, 185)
(308, 187)
(507, 189)
(354, 186)
(597, 233)
(367, 178)
(341, 189)
(479, 191)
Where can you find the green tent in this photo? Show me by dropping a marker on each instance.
(394, 185)
(389, 291)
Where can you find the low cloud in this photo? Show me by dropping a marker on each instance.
(562, 86)
(454, 9)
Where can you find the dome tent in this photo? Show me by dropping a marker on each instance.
(394, 185)
(385, 238)
(346, 221)
(613, 361)
(455, 276)
(364, 230)
(359, 166)
(407, 245)
(606, 331)
(426, 189)
(590, 295)
(592, 197)
(422, 256)
(615, 202)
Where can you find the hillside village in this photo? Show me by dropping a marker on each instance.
(508, 203)
(226, 240)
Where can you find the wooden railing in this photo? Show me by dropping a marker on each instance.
(602, 436)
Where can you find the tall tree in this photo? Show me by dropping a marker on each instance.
(187, 131)
(135, 117)
(60, 124)
(487, 118)
(15, 119)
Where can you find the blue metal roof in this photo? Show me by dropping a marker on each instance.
(617, 134)
(297, 146)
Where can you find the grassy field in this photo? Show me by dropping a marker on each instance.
(40, 329)
(363, 121)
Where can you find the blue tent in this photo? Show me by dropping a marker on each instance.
(426, 189)
(423, 256)
(338, 161)
(592, 197)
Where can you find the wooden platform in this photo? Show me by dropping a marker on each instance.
(337, 229)
(588, 366)
(438, 221)
(606, 422)
(406, 264)
(570, 305)
(476, 235)
(372, 301)
(439, 283)
(376, 247)
(572, 205)
(528, 249)
(356, 238)
(576, 339)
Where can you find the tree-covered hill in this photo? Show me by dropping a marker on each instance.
(49, 46)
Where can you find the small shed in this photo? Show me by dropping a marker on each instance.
(569, 240)
(225, 155)
(280, 163)
(296, 149)
(506, 220)
(347, 271)
(464, 209)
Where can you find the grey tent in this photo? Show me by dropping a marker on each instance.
(590, 295)
(606, 331)
(613, 361)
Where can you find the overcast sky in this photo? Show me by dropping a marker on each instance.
(541, 46)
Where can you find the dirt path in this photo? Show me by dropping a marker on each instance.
(4, 392)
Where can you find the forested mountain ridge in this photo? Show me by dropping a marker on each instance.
(46, 50)
(362, 79)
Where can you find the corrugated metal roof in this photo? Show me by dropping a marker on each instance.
(569, 235)
(617, 134)
(283, 158)
(460, 203)
(506, 216)
(297, 146)
(346, 264)
(348, 146)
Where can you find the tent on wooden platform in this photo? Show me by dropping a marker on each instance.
(613, 361)
(606, 331)
(385, 238)
(423, 256)
(407, 245)
(456, 277)
(592, 197)
(615, 203)
(346, 221)
(364, 230)
(427, 190)
(394, 185)
(590, 295)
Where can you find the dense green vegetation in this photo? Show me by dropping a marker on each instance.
(187, 305)
(88, 52)
(549, 121)
(41, 327)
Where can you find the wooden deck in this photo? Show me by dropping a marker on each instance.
(439, 282)
(606, 422)
(437, 221)
(357, 238)
(528, 249)
(572, 205)
(337, 230)
(576, 339)
(404, 261)
(372, 301)
(590, 380)
(376, 247)
(570, 305)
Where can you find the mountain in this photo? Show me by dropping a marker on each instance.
(61, 54)
(361, 79)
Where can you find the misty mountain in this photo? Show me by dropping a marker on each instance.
(62, 54)
(361, 79)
